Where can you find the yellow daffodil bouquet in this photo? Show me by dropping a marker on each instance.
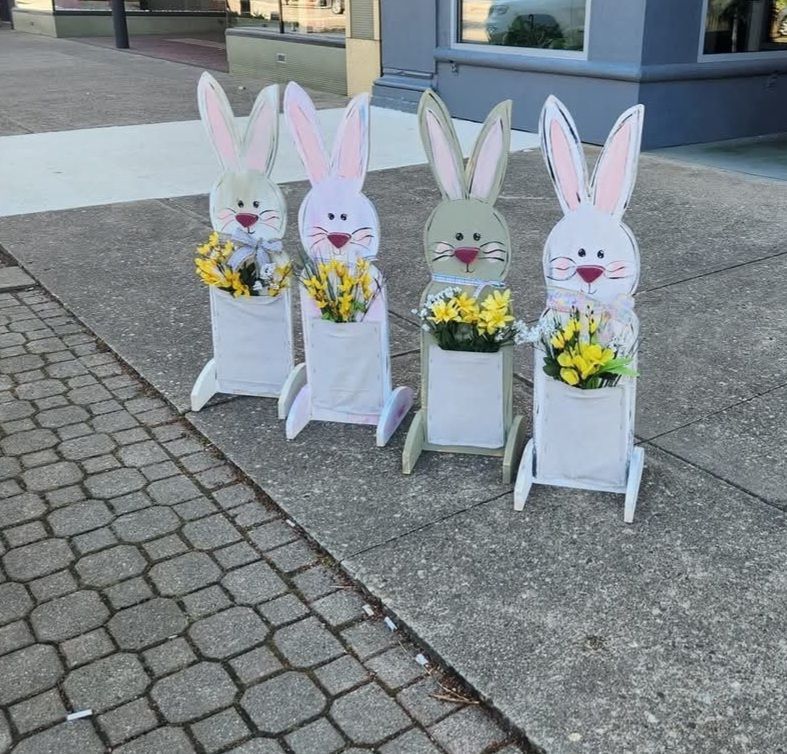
(460, 322)
(576, 354)
(343, 291)
(249, 278)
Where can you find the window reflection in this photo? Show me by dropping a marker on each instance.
(745, 26)
(324, 17)
(545, 24)
(154, 6)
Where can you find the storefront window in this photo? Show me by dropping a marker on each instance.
(545, 24)
(323, 17)
(135, 6)
(745, 26)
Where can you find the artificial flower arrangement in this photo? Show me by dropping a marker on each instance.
(251, 277)
(575, 352)
(459, 322)
(342, 291)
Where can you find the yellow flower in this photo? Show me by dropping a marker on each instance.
(565, 359)
(213, 239)
(557, 340)
(444, 311)
(497, 301)
(570, 329)
(592, 324)
(467, 307)
(569, 376)
(346, 305)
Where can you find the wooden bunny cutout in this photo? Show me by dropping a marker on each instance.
(585, 438)
(347, 374)
(252, 335)
(466, 397)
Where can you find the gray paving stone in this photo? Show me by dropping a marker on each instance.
(156, 471)
(307, 643)
(258, 746)
(28, 442)
(218, 476)
(111, 565)
(20, 363)
(236, 494)
(15, 409)
(127, 593)
(100, 463)
(8, 488)
(38, 712)
(251, 514)
(255, 665)
(169, 657)
(106, 683)
(284, 609)
(220, 730)
(87, 647)
(368, 638)
(293, 556)
(115, 482)
(127, 721)
(173, 490)
(39, 458)
(342, 674)
(145, 524)
(40, 389)
(95, 540)
(283, 702)
(130, 436)
(14, 636)
(160, 741)
(272, 535)
(79, 518)
(55, 585)
(51, 476)
(368, 715)
(199, 462)
(37, 559)
(235, 555)
(253, 583)
(194, 509)
(74, 430)
(142, 454)
(67, 738)
(211, 533)
(316, 582)
(62, 416)
(165, 547)
(89, 394)
(411, 742)
(420, 701)
(184, 446)
(134, 501)
(228, 633)
(146, 624)
(28, 671)
(67, 616)
(185, 573)
(339, 607)
(65, 495)
(467, 731)
(205, 602)
(20, 508)
(318, 737)
(86, 447)
(114, 422)
(194, 692)
(395, 668)
(9, 467)
(25, 534)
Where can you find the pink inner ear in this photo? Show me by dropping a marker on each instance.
(444, 162)
(223, 137)
(611, 175)
(310, 143)
(351, 149)
(564, 167)
(487, 163)
(257, 152)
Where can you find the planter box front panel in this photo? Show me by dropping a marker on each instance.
(345, 363)
(465, 403)
(252, 342)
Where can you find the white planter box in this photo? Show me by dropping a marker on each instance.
(252, 342)
(465, 406)
(347, 368)
(583, 438)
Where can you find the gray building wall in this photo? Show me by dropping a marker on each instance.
(638, 51)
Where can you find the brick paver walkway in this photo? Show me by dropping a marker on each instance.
(143, 580)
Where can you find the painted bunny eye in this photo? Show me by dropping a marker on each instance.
(476, 236)
(240, 203)
(342, 216)
(255, 204)
(331, 215)
(581, 253)
(600, 253)
(460, 236)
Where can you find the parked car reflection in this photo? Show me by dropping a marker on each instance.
(553, 24)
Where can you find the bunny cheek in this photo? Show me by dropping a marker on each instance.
(265, 221)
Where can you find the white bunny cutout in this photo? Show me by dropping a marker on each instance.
(585, 438)
(252, 335)
(347, 374)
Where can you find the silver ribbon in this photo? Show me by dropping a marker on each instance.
(479, 284)
(245, 246)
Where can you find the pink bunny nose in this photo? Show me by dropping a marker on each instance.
(246, 219)
(339, 239)
(466, 254)
(589, 272)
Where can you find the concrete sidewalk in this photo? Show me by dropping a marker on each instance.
(588, 635)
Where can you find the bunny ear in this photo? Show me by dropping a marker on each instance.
(441, 145)
(217, 117)
(616, 170)
(487, 166)
(351, 147)
(262, 131)
(563, 154)
(302, 121)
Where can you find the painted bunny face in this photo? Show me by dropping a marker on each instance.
(335, 218)
(244, 201)
(591, 250)
(465, 236)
